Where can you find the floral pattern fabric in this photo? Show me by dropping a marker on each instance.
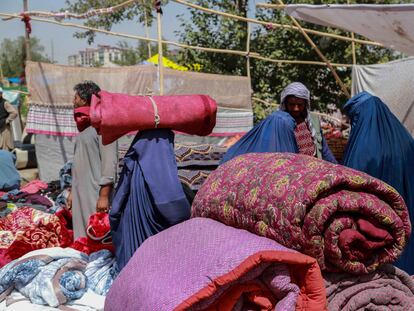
(28, 229)
(347, 220)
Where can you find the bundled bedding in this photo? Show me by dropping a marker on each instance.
(56, 276)
(388, 288)
(115, 115)
(347, 220)
(27, 229)
(202, 264)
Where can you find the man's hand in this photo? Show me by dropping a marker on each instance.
(102, 206)
(69, 200)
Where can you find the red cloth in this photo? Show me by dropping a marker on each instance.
(304, 139)
(34, 186)
(81, 115)
(98, 235)
(26, 19)
(115, 115)
(27, 229)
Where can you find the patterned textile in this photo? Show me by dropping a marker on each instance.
(195, 162)
(193, 178)
(202, 264)
(57, 276)
(27, 229)
(65, 175)
(48, 277)
(88, 302)
(347, 220)
(51, 120)
(101, 271)
(232, 122)
(198, 155)
(304, 139)
(388, 288)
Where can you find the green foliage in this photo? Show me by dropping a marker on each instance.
(13, 55)
(143, 9)
(209, 30)
(132, 56)
(268, 79)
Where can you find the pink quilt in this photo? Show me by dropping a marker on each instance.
(347, 220)
(115, 115)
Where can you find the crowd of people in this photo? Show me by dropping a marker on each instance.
(147, 196)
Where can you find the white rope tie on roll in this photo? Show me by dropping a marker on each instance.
(157, 118)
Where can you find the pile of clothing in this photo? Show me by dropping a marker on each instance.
(58, 276)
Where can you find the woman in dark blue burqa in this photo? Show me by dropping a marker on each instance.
(273, 134)
(276, 133)
(149, 197)
(380, 146)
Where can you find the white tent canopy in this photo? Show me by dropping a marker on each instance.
(390, 25)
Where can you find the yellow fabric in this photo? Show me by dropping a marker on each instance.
(166, 63)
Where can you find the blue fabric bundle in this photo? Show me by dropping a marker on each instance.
(273, 134)
(382, 147)
(9, 176)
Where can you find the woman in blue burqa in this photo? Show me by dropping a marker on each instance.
(291, 129)
(380, 146)
(149, 197)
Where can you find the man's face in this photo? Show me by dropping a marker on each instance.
(296, 106)
(78, 102)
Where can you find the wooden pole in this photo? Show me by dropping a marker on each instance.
(275, 25)
(248, 53)
(147, 33)
(353, 44)
(27, 35)
(180, 45)
(160, 64)
(320, 54)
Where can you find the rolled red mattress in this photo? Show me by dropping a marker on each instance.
(115, 115)
(346, 219)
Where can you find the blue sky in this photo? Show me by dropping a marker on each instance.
(64, 44)
(61, 38)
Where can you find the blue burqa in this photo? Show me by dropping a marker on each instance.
(149, 197)
(381, 146)
(273, 134)
(9, 176)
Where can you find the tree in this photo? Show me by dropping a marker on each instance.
(143, 9)
(268, 79)
(209, 30)
(132, 56)
(13, 55)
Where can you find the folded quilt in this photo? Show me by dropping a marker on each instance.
(347, 220)
(388, 288)
(115, 115)
(202, 264)
(58, 276)
(47, 277)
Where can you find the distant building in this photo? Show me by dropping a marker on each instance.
(103, 55)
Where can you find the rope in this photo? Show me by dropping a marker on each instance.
(157, 118)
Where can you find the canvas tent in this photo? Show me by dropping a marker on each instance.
(50, 114)
(391, 25)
